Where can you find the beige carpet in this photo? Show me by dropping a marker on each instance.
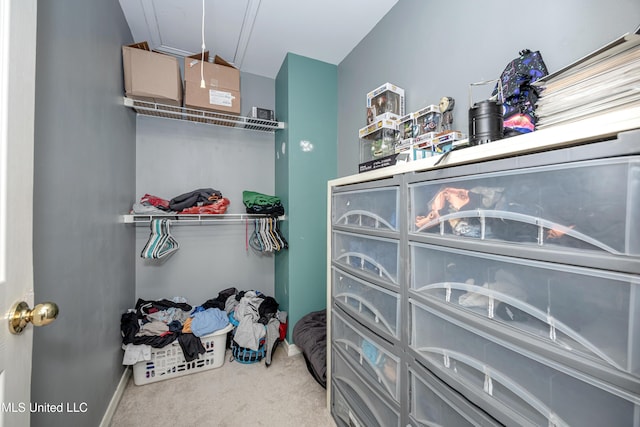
(233, 395)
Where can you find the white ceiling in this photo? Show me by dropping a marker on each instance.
(255, 35)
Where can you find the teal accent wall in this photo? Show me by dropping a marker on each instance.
(307, 101)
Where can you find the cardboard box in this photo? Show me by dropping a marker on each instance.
(222, 85)
(151, 76)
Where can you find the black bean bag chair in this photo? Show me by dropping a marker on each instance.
(310, 335)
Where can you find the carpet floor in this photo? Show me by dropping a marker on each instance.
(235, 394)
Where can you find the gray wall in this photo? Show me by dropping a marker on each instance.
(84, 179)
(433, 49)
(175, 157)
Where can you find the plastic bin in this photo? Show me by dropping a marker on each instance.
(168, 362)
(375, 208)
(366, 405)
(380, 365)
(433, 403)
(577, 310)
(592, 205)
(367, 302)
(507, 377)
(376, 256)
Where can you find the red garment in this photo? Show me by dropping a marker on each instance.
(158, 202)
(217, 207)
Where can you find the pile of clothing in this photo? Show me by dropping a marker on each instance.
(264, 204)
(199, 202)
(155, 324)
(159, 323)
(259, 323)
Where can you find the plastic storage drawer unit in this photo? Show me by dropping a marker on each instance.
(373, 255)
(580, 310)
(364, 401)
(371, 304)
(509, 378)
(376, 208)
(592, 204)
(380, 365)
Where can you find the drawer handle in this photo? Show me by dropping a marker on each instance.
(377, 316)
(364, 258)
(541, 223)
(360, 213)
(488, 383)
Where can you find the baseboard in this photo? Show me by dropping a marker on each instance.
(291, 349)
(115, 399)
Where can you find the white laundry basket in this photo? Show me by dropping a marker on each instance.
(168, 362)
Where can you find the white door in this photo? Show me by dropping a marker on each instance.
(17, 90)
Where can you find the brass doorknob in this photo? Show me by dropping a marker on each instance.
(41, 315)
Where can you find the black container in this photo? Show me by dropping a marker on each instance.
(485, 122)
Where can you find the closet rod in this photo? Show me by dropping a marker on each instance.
(192, 219)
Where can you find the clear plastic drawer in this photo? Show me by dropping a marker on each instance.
(375, 208)
(373, 255)
(538, 392)
(580, 310)
(364, 403)
(379, 307)
(591, 205)
(432, 403)
(381, 366)
(342, 410)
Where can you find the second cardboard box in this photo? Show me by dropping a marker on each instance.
(222, 85)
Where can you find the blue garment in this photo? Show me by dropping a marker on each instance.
(197, 310)
(208, 321)
(175, 326)
(371, 352)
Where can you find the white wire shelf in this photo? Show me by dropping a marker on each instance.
(202, 116)
(193, 219)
